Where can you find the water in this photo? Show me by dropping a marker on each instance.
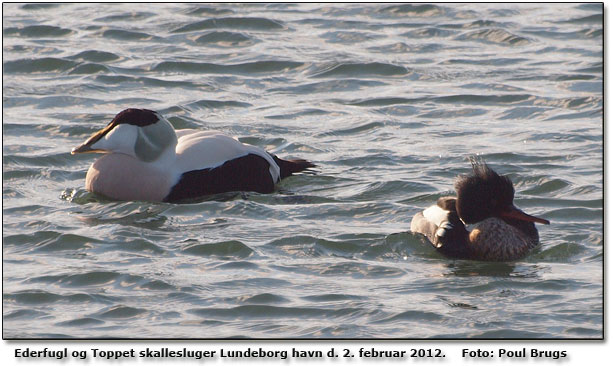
(388, 100)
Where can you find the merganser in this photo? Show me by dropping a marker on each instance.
(145, 159)
(501, 231)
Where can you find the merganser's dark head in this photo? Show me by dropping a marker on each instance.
(484, 194)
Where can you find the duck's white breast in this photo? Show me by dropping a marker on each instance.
(123, 177)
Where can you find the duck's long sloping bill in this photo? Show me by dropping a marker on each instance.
(515, 213)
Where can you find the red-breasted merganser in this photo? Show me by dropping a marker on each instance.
(501, 231)
(145, 159)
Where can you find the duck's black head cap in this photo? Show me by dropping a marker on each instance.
(482, 194)
(136, 117)
(130, 116)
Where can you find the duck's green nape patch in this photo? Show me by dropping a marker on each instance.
(152, 140)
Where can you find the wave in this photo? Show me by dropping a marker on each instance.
(38, 31)
(95, 56)
(428, 32)
(208, 11)
(247, 23)
(361, 70)
(409, 10)
(346, 37)
(328, 86)
(38, 65)
(243, 68)
(216, 104)
(128, 16)
(225, 249)
(126, 35)
(453, 99)
(120, 312)
(497, 36)
(225, 39)
(590, 19)
(40, 297)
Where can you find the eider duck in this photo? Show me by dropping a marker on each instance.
(501, 231)
(145, 159)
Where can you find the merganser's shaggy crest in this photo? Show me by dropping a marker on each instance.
(145, 159)
(501, 231)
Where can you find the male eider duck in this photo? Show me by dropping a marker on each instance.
(145, 159)
(501, 231)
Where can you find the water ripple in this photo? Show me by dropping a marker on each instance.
(124, 35)
(210, 68)
(45, 64)
(232, 23)
(497, 36)
(39, 297)
(259, 311)
(38, 31)
(361, 70)
(409, 10)
(226, 249)
(225, 39)
(121, 312)
(130, 16)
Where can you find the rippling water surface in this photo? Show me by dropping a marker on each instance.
(388, 101)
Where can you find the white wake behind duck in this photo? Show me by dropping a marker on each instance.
(145, 159)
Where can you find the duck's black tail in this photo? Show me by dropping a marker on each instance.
(289, 167)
